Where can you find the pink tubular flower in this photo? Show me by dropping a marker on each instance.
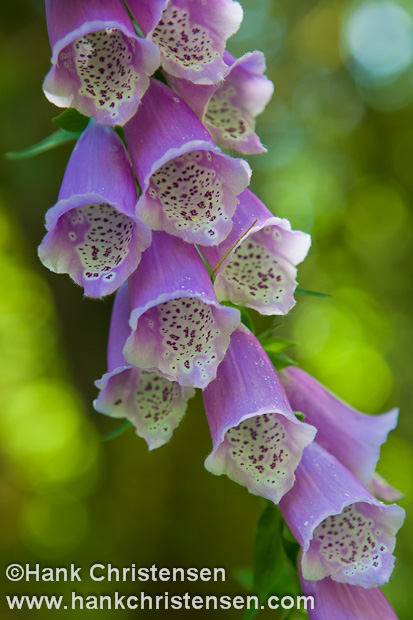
(189, 187)
(260, 271)
(344, 532)
(228, 109)
(100, 66)
(339, 601)
(94, 235)
(354, 438)
(154, 405)
(191, 36)
(257, 440)
(179, 329)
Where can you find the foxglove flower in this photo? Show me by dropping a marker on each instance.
(228, 109)
(179, 328)
(99, 65)
(339, 601)
(260, 271)
(94, 235)
(192, 36)
(352, 437)
(257, 440)
(189, 187)
(344, 532)
(154, 405)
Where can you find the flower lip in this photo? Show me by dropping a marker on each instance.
(99, 66)
(178, 327)
(323, 490)
(257, 439)
(93, 233)
(261, 253)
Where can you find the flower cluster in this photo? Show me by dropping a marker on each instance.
(185, 251)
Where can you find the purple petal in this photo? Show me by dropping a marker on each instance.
(228, 110)
(353, 437)
(146, 13)
(154, 405)
(179, 328)
(94, 235)
(339, 601)
(380, 488)
(257, 440)
(344, 532)
(192, 36)
(238, 100)
(260, 272)
(189, 188)
(100, 66)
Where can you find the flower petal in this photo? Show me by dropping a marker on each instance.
(344, 532)
(100, 66)
(380, 488)
(146, 13)
(260, 272)
(339, 601)
(192, 36)
(228, 109)
(257, 440)
(94, 235)
(189, 188)
(154, 405)
(179, 328)
(353, 437)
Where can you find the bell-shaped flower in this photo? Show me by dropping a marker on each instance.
(259, 272)
(345, 533)
(154, 405)
(380, 488)
(257, 439)
(179, 329)
(191, 36)
(229, 109)
(354, 438)
(99, 64)
(340, 601)
(147, 13)
(189, 187)
(94, 235)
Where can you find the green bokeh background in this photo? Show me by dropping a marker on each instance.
(339, 133)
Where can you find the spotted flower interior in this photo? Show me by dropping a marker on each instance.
(261, 454)
(225, 114)
(183, 43)
(185, 336)
(154, 405)
(258, 275)
(100, 236)
(103, 62)
(190, 195)
(355, 546)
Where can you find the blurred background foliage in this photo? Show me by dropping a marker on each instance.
(339, 133)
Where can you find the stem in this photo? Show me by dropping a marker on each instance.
(233, 246)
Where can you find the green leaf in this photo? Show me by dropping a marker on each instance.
(274, 574)
(244, 577)
(281, 360)
(313, 293)
(71, 120)
(276, 345)
(61, 136)
(299, 415)
(117, 432)
(266, 333)
(246, 318)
